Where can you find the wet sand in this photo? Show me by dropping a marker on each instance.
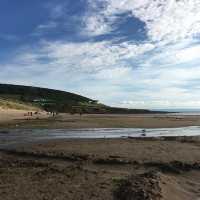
(11, 119)
(119, 169)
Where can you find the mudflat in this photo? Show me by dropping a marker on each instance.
(11, 119)
(119, 169)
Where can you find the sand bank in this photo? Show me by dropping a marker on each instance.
(9, 119)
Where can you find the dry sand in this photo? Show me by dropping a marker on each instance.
(103, 169)
(11, 118)
(10, 114)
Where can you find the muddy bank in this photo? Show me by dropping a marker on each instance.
(185, 149)
(99, 169)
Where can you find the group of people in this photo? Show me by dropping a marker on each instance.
(31, 113)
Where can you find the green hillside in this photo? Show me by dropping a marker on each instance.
(47, 99)
(56, 101)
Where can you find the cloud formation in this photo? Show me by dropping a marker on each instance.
(161, 71)
(166, 20)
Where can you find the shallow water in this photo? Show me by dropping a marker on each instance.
(17, 136)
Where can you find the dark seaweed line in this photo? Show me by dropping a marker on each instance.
(171, 167)
(60, 156)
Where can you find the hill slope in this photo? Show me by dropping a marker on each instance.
(58, 101)
(47, 99)
(17, 105)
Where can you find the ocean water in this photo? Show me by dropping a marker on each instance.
(183, 111)
(17, 136)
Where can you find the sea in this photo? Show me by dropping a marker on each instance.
(181, 111)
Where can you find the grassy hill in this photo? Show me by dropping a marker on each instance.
(48, 99)
(10, 104)
(54, 100)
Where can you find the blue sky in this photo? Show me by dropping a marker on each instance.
(130, 53)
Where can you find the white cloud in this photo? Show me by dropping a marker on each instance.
(93, 56)
(43, 27)
(162, 104)
(96, 25)
(72, 61)
(188, 54)
(166, 20)
(115, 74)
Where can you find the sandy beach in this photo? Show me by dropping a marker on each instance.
(11, 116)
(19, 118)
(165, 168)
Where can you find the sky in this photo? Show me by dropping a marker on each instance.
(127, 53)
